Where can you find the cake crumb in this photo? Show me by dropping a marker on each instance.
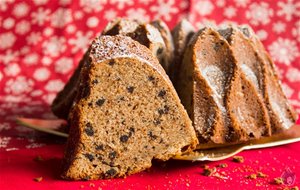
(278, 180)
(252, 176)
(295, 188)
(261, 175)
(209, 171)
(81, 186)
(223, 165)
(38, 158)
(38, 179)
(92, 185)
(205, 166)
(238, 159)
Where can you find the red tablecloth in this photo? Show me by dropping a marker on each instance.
(41, 42)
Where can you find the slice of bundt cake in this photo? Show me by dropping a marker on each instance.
(167, 37)
(145, 34)
(181, 34)
(220, 93)
(125, 114)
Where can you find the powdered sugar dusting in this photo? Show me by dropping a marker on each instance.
(250, 75)
(282, 115)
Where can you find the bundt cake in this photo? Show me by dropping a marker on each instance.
(223, 83)
(126, 113)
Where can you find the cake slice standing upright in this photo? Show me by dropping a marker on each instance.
(126, 113)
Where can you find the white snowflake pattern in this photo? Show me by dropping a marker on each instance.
(61, 17)
(184, 4)
(4, 141)
(4, 126)
(220, 3)
(164, 9)
(289, 9)
(230, 12)
(63, 65)
(41, 74)
(1, 76)
(81, 41)
(31, 59)
(71, 28)
(279, 27)
(20, 10)
(7, 40)
(262, 34)
(288, 91)
(64, 2)
(12, 69)
(24, 50)
(110, 14)
(33, 38)
(78, 15)
(4, 4)
(48, 31)
(49, 97)
(122, 3)
(92, 22)
(46, 60)
(23, 27)
(137, 14)
(18, 85)
(259, 13)
(40, 2)
(241, 3)
(40, 16)
(54, 85)
(9, 56)
(54, 46)
(204, 7)
(92, 5)
(284, 50)
(8, 23)
(293, 74)
(206, 23)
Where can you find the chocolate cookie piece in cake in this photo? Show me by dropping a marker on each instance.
(141, 115)
(222, 104)
(167, 37)
(181, 35)
(64, 99)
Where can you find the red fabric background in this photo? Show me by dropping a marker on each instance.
(41, 42)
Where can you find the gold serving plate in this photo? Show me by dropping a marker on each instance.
(206, 153)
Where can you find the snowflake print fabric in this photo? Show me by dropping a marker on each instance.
(42, 41)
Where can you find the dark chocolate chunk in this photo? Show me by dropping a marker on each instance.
(112, 155)
(165, 110)
(99, 147)
(150, 78)
(111, 172)
(95, 165)
(124, 138)
(90, 104)
(89, 156)
(89, 129)
(130, 89)
(156, 121)
(162, 93)
(100, 102)
(95, 81)
(85, 91)
(150, 134)
(111, 63)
